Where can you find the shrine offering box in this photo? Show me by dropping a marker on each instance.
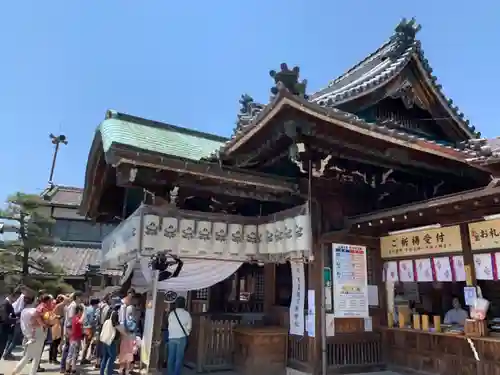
(476, 328)
(260, 350)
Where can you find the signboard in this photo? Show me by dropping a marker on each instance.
(350, 281)
(484, 235)
(423, 242)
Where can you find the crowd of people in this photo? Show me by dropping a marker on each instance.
(81, 332)
(78, 331)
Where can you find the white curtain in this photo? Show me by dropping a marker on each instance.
(196, 274)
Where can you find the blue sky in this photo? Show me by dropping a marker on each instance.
(64, 63)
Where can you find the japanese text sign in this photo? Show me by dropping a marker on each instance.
(485, 235)
(423, 242)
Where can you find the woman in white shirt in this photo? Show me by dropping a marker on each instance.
(179, 328)
(34, 330)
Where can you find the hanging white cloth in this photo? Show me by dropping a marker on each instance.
(195, 274)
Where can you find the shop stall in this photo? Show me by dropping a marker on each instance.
(424, 271)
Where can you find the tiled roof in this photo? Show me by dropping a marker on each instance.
(63, 195)
(381, 67)
(74, 260)
(482, 151)
(157, 137)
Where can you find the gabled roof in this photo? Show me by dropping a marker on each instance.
(345, 120)
(60, 195)
(156, 137)
(384, 65)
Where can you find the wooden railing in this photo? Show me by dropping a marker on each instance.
(354, 351)
(298, 352)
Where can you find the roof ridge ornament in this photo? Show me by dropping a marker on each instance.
(248, 111)
(407, 30)
(403, 37)
(289, 79)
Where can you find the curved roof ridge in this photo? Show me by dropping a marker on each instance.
(354, 68)
(446, 101)
(388, 44)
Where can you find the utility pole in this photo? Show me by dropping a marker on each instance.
(56, 141)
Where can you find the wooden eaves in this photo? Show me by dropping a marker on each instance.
(467, 206)
(202, 169)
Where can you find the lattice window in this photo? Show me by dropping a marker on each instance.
(202, 294)
(259, 286)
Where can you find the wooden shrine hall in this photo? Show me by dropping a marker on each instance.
(379, 152)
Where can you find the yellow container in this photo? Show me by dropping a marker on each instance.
(390, 320)
(402, 320)
(437, 323)
(416, 321)
(425, 322)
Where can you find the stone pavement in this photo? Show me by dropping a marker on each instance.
(6, 367)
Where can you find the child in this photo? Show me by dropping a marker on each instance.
(75, 340)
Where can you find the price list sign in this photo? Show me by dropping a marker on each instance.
(350, 281)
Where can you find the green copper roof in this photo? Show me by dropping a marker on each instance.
(157, 137)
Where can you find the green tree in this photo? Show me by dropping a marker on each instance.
(22, 254)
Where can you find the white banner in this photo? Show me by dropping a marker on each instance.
(195, 274)
(297, 304)
(121, 245)
(189, 234)
(350, 281)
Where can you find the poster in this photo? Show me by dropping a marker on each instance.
(147, 336)
(330, 325)
(470, 295)
(373, 295)
(350, 283)
(297, 304)
(311, 313)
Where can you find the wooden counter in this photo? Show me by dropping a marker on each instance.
(260, 350)
(423, 352)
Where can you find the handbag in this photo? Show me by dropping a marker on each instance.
(108, 332)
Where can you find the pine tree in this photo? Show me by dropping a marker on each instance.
(22, 253)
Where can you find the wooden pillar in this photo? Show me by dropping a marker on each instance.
(467, 254)
(156, 345)
(269, 287)
(315, 282)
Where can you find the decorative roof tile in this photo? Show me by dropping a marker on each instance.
(381, 67)
(248, 111)
(482, 151)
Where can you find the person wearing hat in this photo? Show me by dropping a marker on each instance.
(179, 328)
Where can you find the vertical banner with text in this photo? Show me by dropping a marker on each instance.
(297, 304)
